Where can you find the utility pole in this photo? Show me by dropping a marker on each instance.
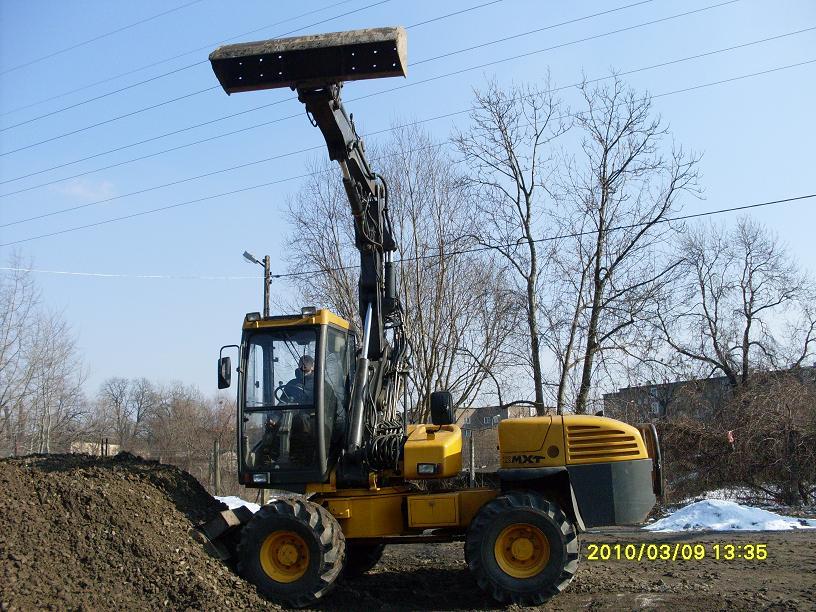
(267, 283)
(267, 266)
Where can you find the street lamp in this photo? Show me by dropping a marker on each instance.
(267, 277)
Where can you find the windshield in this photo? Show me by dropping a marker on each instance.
(280, 368)
(280, 418)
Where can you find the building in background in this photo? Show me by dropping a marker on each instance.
(698, 399)
(480, 427)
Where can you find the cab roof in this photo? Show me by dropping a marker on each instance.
(318, 317)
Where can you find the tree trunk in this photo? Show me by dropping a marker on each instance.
(535, 347)
(597, 295)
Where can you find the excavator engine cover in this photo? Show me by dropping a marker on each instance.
(312, 61)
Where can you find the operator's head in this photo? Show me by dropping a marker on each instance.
(306, 364)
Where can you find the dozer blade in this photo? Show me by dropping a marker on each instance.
(312, 61)
(213, 535)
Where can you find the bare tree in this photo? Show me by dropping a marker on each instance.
(620, 193)
(589, 282)
(19, 301)
(114, 405)
(455, 303)
(142, 400)
(56, 405)
(179, 427)
(746, 306)
(42, 407)
(509, 154)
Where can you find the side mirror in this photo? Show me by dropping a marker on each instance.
(224, 372)
(442, 408)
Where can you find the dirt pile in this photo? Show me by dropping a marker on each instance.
(84, 533)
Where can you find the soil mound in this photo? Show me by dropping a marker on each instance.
(84, 533)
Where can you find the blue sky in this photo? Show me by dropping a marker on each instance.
(756, 136)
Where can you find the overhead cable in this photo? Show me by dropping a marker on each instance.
(99, 37)
(182, 68)
(367, 135)
(400, 87)
(196, 50)
(295, 115)
(453, 253)
(301, 176)
(165, 102)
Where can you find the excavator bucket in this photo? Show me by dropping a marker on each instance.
(312, 61)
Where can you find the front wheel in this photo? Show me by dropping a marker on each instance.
(522, 548)
(292, 551)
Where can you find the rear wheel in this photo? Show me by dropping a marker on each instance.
(360, 558)
(521, 548)
(292, 551)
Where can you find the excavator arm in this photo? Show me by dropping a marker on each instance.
(316, 67)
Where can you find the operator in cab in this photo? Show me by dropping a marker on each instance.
(300, 390)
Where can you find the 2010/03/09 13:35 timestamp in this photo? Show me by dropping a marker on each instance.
(676, 552)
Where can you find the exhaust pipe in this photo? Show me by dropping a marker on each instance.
(312, 61)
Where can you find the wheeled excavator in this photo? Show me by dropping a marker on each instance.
(318, 404)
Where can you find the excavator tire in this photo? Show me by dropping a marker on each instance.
(522, 548)
(361, 557)
(292, 550)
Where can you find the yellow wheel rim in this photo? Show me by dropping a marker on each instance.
(522, 550)
(284, 556)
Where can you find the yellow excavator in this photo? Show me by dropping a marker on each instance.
(318, 405)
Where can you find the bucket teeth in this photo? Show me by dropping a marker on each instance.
(312, 61)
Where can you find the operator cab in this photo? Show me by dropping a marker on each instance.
(294, 382)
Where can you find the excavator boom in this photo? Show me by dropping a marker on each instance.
(316, 67)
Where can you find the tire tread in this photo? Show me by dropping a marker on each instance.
(515, 500)
(327, 534)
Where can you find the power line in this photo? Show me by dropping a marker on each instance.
(481, 249)
(99, 97)
(536, 31)
(453, 253)
(145, 67)
(301, 176)
(100, 37)
(399, 87)
(375, 133)
(112, 119)
(188, 66)
(163, 103)
(454, 13)
(707, 213)
(116, 275)
(121, 89)
(413, 84)
(236, 114)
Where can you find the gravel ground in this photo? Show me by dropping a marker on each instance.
(435, 577)
(82, 533)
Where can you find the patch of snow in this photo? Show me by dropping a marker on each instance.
(722, 515)
(236, 502)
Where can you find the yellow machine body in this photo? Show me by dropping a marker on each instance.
(567, 440)
(389, 512)
(439, 446)
(596, 454)
(318, 317)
